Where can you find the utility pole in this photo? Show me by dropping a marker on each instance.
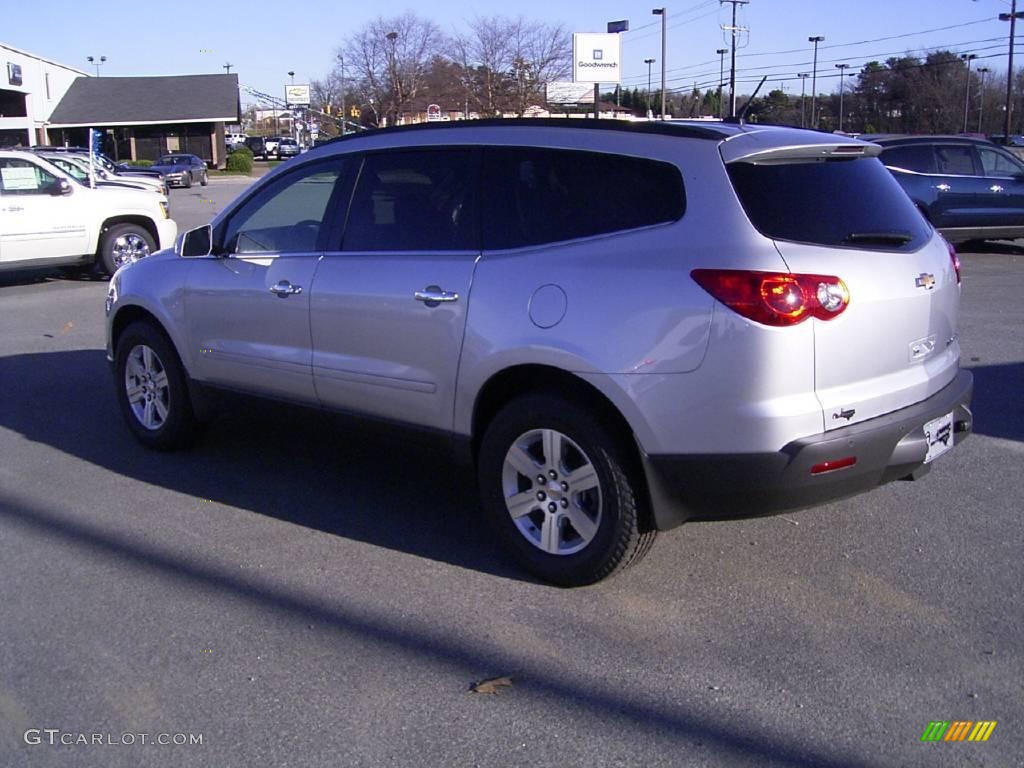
(1012, 17)
(981, 95)
(721, 77)
(967, 57)
(664, 21)
(227, 67)
(732, 56)
(842, 76)
(814, 80)
(803, 97)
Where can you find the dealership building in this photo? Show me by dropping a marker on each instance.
(140, 118)
(30, 89)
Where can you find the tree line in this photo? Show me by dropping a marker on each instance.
(393, 67)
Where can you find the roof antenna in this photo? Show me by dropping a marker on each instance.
(743, 112)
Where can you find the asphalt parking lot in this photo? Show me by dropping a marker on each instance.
(299, 590)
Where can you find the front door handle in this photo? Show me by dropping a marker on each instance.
(432, 296)
(284, 288)
(996, 188)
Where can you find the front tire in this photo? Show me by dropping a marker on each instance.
(560, 492)
(204, 180)
(186, 182)
(152, 388)
(123, 244)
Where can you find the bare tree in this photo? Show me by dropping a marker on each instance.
(389, 59)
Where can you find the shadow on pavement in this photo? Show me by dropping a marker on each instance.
(379, 484)
(536, 679)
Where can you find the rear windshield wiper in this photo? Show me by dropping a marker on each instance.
(883, 238)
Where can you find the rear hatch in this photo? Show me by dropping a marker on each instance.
(833, 209)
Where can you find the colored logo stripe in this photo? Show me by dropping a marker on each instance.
(958, 730)
(983, 730)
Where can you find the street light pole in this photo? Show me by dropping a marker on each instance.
(1012, 17)
(981, 94)
(721, 77)
(967, 57)
(392, 37)
(814, 80)
(648, 62)
(842, 76)
(96, 62)
(664, 21)
(803, 97)
(344, 114)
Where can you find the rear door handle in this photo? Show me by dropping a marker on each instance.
(284, 288)
(433, 295)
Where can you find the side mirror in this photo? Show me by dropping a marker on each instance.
(197, 242)
(61, 187)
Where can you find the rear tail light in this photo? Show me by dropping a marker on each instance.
(775, 298)
(955, 259)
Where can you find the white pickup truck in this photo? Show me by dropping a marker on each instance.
(49, 218)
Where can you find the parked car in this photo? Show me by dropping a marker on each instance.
(182, 170)
(621, 326)
(117, 171)
(257, 145)
(233, 140)
(78, 167)
(271, 143)
(49, 219)
(967, 188)
(287, 148)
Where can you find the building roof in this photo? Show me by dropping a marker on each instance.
(108, 101)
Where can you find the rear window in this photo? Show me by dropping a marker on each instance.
(917, 158)
(853, 203)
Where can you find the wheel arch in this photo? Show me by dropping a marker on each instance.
(533, 378)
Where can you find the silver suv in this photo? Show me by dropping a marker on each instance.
(623, 326)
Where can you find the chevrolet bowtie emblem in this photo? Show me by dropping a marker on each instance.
(924, 280)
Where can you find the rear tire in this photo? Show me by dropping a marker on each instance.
(560, 493)
(152, 389)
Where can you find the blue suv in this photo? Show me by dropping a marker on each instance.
(967, 188)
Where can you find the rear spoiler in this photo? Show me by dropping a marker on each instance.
(802, 153)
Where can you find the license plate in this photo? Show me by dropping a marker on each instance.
(939, 435)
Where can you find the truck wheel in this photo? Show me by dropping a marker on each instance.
(152, 388)
(559, 492)
(123, 244)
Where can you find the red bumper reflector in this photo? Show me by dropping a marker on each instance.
(832, 466)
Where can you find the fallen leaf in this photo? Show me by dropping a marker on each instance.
(491, 686)
(67, 326)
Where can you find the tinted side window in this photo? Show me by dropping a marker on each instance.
(415, 201)
(838, 202)
(919, 159)
(955, 160)
(20, 177)
(535, 196)
(286, 216)
(997, 163)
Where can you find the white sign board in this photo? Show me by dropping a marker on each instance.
(296, 95)
(570, 93)
(596, 58)
(433, 113)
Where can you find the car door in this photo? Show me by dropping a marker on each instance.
(389, 303)
(964, 198)
(38, 221)
(247, 304)
(1004, 175)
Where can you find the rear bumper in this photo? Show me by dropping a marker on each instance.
(890, 447)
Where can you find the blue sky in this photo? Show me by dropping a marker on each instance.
(264, 40)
